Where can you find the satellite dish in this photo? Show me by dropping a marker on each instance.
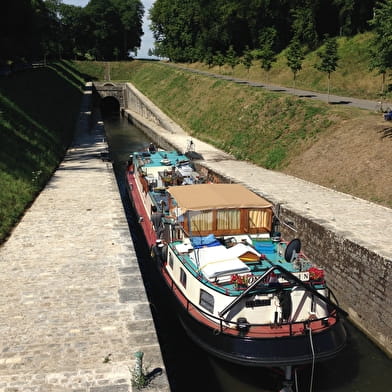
(293, 248)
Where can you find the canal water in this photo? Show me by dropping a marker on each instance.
(361, 367)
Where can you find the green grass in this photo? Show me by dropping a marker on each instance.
(38, 112)
(253, 124)
(352, 78)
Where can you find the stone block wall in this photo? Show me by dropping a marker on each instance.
(360, 278)
(139, 106)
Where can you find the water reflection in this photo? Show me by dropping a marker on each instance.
(361, 367)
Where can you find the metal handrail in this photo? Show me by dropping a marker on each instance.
(221, 320)
(289, 276)
(245, 292)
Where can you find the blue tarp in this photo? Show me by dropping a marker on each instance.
(208, 240)
(264, 248)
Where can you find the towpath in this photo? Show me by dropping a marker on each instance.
(363, 222)
(358, 220)
(331, 98)
(73, 307)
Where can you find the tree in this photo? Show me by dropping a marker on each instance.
(175, 25)
(52, 28)
(247, 58)
(295, 56)
(104, 29)
(209, 58)
(72, 30)
(303, 25)
(219, 59)
(184, 28)
(381, 49)
(346, 9)
(231, 57)
(131, 16)
(266, 54)
(329, 58)
(267, 58)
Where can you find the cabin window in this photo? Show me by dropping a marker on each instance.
(183, 277)
(171, 260)
(260, 218)
(228, 219)
(201, 221)
(206, 301)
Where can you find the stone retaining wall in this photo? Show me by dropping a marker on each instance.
(367, 277)
(365, 280)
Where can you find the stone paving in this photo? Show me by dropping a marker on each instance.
(74, 310)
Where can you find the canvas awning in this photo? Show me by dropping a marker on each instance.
(201, 197)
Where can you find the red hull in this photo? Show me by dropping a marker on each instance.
(140, 208)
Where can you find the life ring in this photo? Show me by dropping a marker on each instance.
(251, 279)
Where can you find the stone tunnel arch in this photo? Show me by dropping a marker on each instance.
(109, 104)
(109, 96)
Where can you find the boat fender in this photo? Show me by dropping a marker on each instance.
(242, 325)
(292, 250)
(130, 164)
(276, 317)
(285, 303)
(159, 252)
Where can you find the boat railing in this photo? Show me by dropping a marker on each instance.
(288, 276)
(225, 323)
(264, 277)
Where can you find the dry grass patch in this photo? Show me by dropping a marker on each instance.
(353, 157)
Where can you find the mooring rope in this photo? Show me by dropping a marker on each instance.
(313, 359)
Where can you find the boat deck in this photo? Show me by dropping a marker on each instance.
(161, 158)
(270, 253)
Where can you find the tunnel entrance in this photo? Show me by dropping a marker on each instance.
(109, 105)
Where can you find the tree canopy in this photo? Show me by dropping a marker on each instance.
(37, 29)
(186, 30)
(328, 58)
(295, 56)
(382, 44)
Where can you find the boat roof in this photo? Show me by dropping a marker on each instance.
(200, 197)
(162, 158)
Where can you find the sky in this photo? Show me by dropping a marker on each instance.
(147, 38)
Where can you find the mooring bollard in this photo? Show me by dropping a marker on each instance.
(138, 377)
(139, 364)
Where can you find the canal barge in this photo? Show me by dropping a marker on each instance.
(242, 292)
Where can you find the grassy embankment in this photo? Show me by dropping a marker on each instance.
(339, 147)
(352, 77)
(38, 110)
